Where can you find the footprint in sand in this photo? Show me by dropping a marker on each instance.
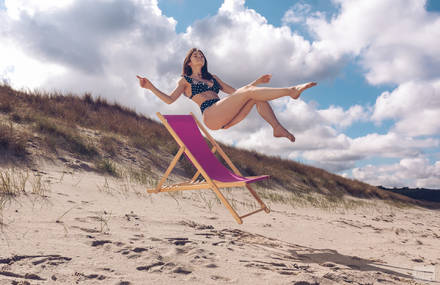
(26, 261)
(160, 266)
(220, 278)
(83, 277)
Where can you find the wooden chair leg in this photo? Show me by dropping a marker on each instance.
(226, 203)
(254, 193)
(170, 168)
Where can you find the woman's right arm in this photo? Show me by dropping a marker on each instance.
(145, 83)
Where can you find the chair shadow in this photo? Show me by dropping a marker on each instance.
(320, 256)
(289, 252)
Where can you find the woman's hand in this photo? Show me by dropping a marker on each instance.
(144, 82)
(264, 79)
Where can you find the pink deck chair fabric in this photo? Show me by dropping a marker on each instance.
(186, 128)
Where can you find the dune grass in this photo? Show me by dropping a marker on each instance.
(59, 118)
(12, 141)
(15, 182)
(106, 166)
(67, 137)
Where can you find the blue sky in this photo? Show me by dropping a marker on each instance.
(374, 115)
(346, 89)
(273, 11)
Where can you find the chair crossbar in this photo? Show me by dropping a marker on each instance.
(251, 213)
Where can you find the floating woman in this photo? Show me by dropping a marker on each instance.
(203, 87)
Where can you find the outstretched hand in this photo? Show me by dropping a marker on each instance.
(144, 82)
(264, 79)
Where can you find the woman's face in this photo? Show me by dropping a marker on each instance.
(197, 58)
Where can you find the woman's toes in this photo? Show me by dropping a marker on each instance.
(307, 85)
(282, 132)
(298, 89)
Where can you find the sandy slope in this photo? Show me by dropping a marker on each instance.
(96, 230)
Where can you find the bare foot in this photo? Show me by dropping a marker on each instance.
(280, 131)
(298, 89)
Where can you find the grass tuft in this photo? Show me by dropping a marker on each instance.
(12, 142)
(108, 167)
(16, 182)
(61, 136)
(109, 145)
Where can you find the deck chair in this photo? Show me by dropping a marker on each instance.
(185, 130)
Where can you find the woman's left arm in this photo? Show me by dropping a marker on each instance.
(229, 90)
(225, 87)
(262, 80)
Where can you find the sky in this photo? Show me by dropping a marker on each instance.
(374, 115)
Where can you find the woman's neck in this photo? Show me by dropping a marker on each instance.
(197, 71)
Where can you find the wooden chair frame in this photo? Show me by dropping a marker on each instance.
(209, 183)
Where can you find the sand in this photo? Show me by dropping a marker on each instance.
(94, 229)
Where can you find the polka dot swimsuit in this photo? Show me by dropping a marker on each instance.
(200, 87)
(208, 103)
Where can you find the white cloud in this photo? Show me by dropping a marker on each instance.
(415, 106)
(396, 41)
(96, 47)
(100, 46)
(340, 118)
(409, 172)
(341, 152)
(23, 71)
(232, 6)
(240, 33)
(296, 14)
(16, 8)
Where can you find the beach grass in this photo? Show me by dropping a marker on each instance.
(93, 129)
(15, 182)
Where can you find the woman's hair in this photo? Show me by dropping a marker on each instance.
(187, 70)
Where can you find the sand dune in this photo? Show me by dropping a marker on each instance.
(92, 229)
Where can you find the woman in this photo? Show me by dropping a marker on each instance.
(203, 87)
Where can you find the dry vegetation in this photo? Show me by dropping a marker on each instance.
(97, 132)
(16, 182)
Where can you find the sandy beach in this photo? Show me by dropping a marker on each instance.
(92, 229)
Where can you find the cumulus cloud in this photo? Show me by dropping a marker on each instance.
(240, 33)
(408, 172)
(414, 105)
(99, 46)
(340, 118)
(395, 48)
(296, 14)
(343, 152)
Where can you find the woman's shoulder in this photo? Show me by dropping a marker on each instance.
(216, 78)
(184, 79)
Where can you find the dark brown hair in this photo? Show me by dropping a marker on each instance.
(187, 70)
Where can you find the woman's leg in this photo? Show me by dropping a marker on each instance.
(266, 112)
(227, 108)
(242, 113)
